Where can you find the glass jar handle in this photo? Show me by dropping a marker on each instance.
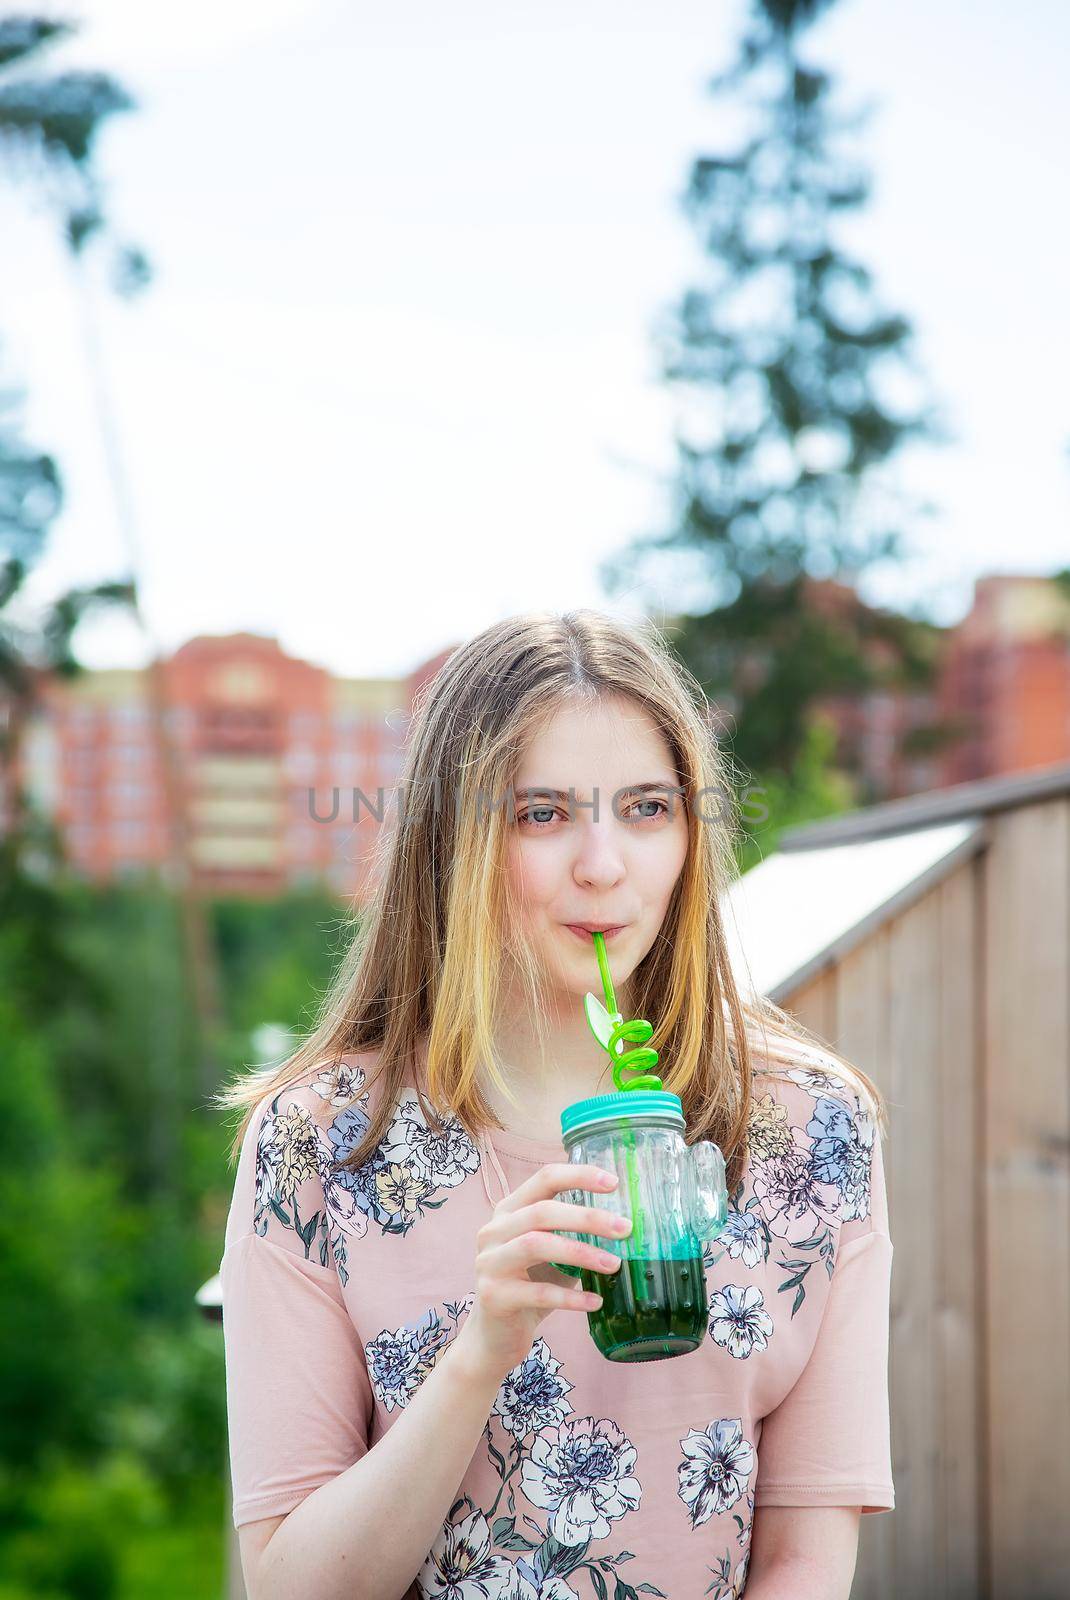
(709, 1191)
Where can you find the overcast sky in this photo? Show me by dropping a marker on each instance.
(396, 375)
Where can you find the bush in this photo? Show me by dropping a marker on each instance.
(76, 1523)
(174, 1419)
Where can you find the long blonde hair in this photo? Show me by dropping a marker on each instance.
(429, 951)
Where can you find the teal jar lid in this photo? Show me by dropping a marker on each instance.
(658, 1103)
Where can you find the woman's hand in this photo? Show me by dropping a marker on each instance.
(509, 1302)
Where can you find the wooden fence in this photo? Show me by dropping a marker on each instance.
(959, 1007)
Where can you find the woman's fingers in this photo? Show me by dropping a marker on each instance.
(534, 1246)
(520, 1234)
(555, 1176)
(503, 1296)
(557, 1214)
(515, 1255)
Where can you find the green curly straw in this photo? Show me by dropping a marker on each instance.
(635, 1030)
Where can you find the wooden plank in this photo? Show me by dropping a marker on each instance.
(958, 1218)
(861, 1033)
(815, 1004)
(913, 1068)
(947, 1543)
(1027, 1192)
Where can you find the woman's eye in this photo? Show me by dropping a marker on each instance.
(651, 816)
(537, 817)
(527, 817)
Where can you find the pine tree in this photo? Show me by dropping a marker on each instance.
(787, 366)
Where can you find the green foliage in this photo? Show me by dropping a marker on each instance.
(30, 496)
(1061, 580)
(184, 1556)
(68, 1245)
(114, 1190)
(172, 1417)
(276, 958)
(49, 121)
(75, 1521)
(105, 1531)
(814, 788)
(113, 1181)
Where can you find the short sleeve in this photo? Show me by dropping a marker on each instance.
(299, 1401)
(828, 1442)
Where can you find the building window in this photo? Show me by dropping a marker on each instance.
(345, 767)
(391, 761)
(131, 794)
(301, 762)
(302, 843)
(130, 756)
(127, 833)
(130, 715)
(82, 764)
(178, 721)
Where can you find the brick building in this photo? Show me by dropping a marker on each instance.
(1007, 673)
(262, 758)
(999, 701)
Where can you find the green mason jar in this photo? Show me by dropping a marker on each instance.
(654, 1304)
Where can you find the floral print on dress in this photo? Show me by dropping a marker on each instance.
(717, 1462)
(783, 1173)
(745, 1236)
(843, 1153)
(461, 1564)
(532, 1395)
(526, 1583)
(566, 1481)
(581, 1471)
(399, 1360)
(805, 1181)
(339, 1085)
(292, 1147)
(578, 1471)
(730, 1574)
(411, 1164)
(843, 1140)
(288, 1153)
(393, 1187)
(729, 1584)
(819, 1083)
(739, 1322)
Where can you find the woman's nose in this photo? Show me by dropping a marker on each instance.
(598, 860)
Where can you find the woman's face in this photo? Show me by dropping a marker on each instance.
(614, 866)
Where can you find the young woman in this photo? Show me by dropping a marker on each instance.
(416, 1406)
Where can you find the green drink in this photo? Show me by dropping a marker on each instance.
(650, 1308)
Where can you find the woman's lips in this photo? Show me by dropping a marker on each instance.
(583, 933)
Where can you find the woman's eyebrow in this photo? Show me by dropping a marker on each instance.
(631, 788)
